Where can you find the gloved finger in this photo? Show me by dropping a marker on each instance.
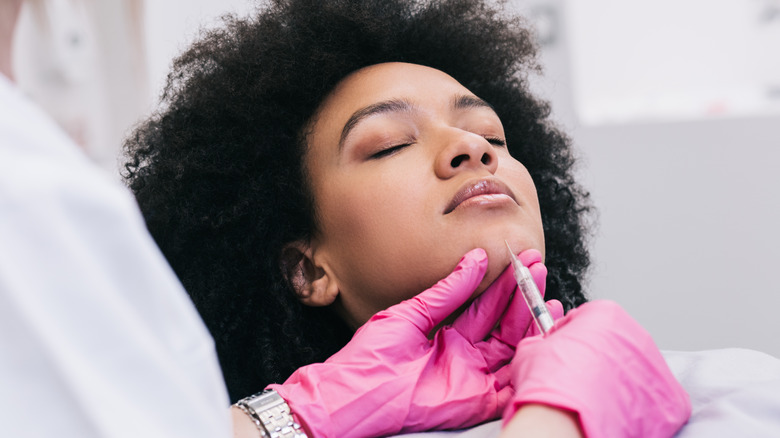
(503, 376)
(532, 259)
(556, 311)
(432, 306)
(503, 397)
(517, 320)
(476, 323)
(495, 353)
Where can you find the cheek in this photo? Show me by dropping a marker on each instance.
(364, 209)
(517, 176)
(367, 216)
(378, 228)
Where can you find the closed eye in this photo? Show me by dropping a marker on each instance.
(495, 141)
(389, 151)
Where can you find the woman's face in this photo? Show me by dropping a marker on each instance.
(409, 172)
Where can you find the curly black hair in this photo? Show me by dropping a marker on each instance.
(218, 169)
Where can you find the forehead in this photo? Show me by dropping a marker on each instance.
(417, 83)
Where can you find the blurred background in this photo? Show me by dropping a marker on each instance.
(673, 106)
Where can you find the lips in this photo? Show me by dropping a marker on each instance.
(479, 188)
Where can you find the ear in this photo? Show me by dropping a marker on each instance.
(311, 283)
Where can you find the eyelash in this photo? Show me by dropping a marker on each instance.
(495, 141)
(389, 151)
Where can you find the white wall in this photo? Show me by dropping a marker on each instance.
(171, 25)
(82, 62)
(667, 60)
(689, 209)
(688, 241)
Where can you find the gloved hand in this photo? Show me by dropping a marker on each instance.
(390, 378)
(601, 364)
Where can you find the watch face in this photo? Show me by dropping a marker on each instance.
(264, 400)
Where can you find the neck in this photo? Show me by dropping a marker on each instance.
(9, 12)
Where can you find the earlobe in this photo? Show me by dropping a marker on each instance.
(323, 292)
(311, 283)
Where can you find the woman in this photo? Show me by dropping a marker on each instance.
(218, 172)
(324, 161)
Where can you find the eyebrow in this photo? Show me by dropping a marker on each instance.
(399, 105)
(387, 106)
(466, 101)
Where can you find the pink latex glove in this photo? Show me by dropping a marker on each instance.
(601, 364)
(390, 378)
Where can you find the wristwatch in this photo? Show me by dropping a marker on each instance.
(271, 414)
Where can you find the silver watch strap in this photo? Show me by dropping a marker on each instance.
(271, 414)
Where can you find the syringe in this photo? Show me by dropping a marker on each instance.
(526, 284)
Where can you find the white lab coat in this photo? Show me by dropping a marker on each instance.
(97, 336)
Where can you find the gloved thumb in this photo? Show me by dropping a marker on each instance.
(556, 311)
(532, 259)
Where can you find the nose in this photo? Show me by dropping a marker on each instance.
(465, 151)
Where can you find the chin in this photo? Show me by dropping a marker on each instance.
(498, 255)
